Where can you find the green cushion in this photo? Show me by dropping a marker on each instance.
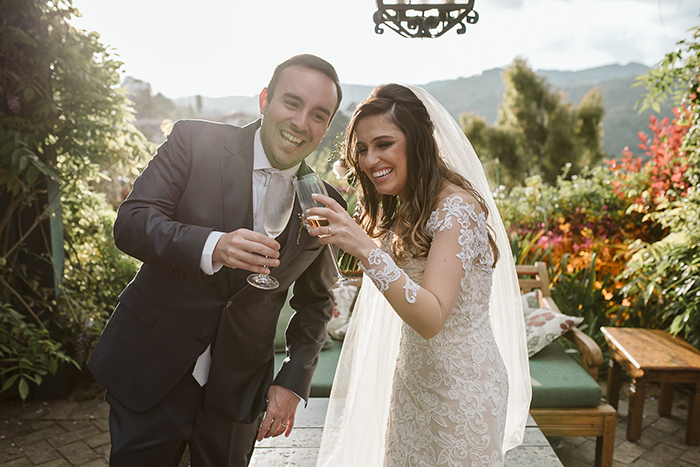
(559, 381)
(325, 371)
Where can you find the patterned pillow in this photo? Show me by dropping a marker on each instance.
(531, 301)
(542, 325)
(338, 325)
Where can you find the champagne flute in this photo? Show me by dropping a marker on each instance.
(279, 202)
(306, 186)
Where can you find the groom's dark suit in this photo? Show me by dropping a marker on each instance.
(200, 180)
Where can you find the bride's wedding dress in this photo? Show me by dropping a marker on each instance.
(449, 395)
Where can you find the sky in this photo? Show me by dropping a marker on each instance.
(219, 48)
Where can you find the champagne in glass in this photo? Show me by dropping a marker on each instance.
(316, 221)
(306, 186)
(279, 202)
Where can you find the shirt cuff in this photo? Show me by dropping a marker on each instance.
(206, 264)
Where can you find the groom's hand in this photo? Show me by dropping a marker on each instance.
(279, 416)
(245, 249)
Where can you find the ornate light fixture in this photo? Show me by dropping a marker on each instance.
(424, 18)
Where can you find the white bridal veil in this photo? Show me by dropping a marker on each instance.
(358, 410)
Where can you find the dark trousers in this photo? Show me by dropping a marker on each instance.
(158, 437)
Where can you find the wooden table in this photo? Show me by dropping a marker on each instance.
(652, 356)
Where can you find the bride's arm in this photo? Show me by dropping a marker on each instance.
(425, 309)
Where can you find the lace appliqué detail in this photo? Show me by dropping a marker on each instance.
(473, 236)
(388, 274)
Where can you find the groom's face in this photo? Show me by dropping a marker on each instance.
(297, 115)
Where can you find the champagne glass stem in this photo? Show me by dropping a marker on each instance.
(335, 262)
(342, 280)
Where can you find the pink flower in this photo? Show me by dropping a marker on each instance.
(13, 104)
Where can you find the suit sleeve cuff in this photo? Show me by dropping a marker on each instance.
(206, 264)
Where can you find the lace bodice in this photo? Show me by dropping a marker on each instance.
(449, 393)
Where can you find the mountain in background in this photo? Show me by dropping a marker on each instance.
(482, 95)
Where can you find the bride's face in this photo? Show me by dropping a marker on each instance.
(381, 152)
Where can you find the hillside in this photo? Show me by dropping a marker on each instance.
(482, 94)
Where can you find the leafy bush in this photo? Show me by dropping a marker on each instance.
(581, 293)
(574, 218)
(66, 130)
(663, 289)
(27, 352)
(95, 271)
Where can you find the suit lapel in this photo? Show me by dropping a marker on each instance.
(236, 163)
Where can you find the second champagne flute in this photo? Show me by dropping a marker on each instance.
(278, 205)
(306, 186)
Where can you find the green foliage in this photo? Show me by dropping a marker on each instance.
(663, 289)
(27, 353)
(95, 271)
(537, 131)
(526, 250)
(674, 78)
(66, 131)
(580, 293)
(575, 216)
(498, 149)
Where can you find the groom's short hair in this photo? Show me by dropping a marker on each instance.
(307, 61)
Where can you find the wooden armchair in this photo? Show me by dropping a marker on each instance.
(570, 420)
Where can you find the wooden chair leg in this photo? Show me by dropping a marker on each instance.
(605, 444)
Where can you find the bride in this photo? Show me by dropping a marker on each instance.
(435, 372)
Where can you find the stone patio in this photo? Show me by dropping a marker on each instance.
(65, 434)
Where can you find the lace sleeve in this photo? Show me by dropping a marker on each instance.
(475, 250)
(388, 273)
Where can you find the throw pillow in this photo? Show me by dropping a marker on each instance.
(542, 325)
(344, 297)
(531, 301)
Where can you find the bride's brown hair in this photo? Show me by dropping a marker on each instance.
(427, 174)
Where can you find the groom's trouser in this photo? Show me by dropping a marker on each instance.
(157, 437)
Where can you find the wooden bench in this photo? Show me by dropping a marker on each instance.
(570, 420)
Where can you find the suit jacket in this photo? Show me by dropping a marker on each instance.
(200, 180)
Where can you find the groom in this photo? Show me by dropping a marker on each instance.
(187, 355)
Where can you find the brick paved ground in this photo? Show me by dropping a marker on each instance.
(66, 434)
(662, 443)
(55, 434)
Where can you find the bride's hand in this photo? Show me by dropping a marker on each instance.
(342, 230)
